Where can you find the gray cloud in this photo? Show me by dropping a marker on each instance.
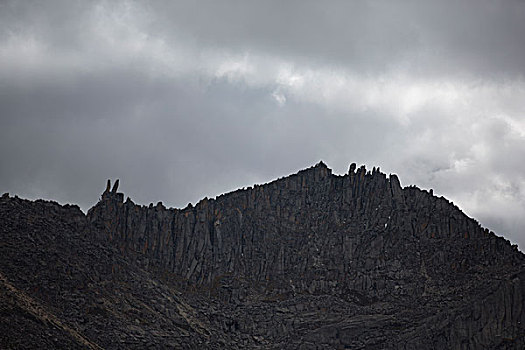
(446, 37)
(183, 100)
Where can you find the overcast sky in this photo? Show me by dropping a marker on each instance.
(187, 99)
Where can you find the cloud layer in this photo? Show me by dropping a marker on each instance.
(182, 100)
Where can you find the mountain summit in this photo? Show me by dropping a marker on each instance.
(311, 261)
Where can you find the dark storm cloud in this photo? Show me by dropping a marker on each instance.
(187, 99)
(438, 37)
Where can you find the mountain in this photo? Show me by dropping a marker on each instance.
(309, 261)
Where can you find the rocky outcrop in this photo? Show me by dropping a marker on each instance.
(62, 289)
(312, 260)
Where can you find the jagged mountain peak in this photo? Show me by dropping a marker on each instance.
(311, 259)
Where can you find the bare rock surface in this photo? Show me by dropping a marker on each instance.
(310, 261)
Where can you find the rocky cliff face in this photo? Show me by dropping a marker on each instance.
(313, 260)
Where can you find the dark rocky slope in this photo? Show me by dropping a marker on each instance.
(60, 288)
(313, 260)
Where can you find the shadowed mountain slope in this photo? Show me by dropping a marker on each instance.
(312, 260)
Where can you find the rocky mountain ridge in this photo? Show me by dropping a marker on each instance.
(312, 260)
